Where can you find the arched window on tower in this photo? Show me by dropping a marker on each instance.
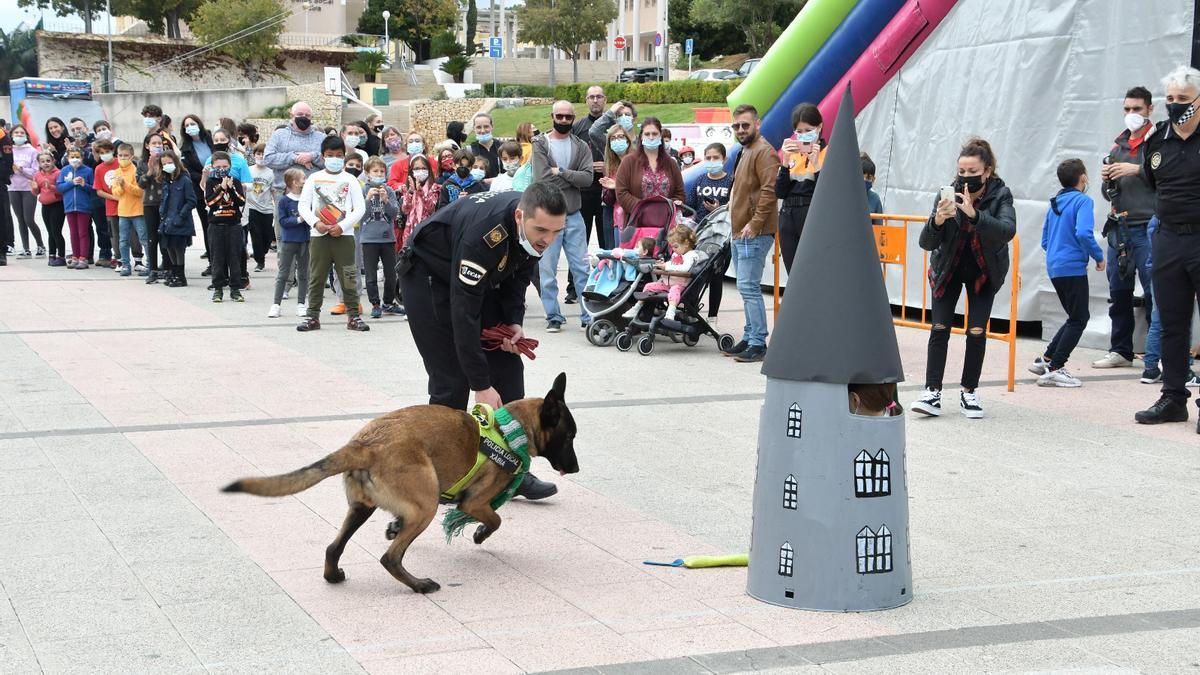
(872, 475)
(874, 550)
(785, 560)
(794, 419)
(789, 492)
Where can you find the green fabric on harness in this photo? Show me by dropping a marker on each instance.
(501, 440)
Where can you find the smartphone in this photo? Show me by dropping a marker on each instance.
(947, 193)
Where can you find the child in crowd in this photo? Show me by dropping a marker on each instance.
(398, 170)
(149, 179)
(419, 197)
(687, 156)
(261, 205)
(77, 189)
(873, 200)
(712, 189)
(44, 187)
(444, 168)
(293, 244)
(332, 203)
(225, 197)
(684, 257)
(666, 143)
(378, 236)
(874, 400)
(463, 180)
(175, 225)
(20, 190)
(103, 180)
(354, 167)
(130, 218)
(1069, 239)
(510, 162)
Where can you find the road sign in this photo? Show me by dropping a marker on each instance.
(687, 46)
(619, 42)
(658, 39)
(496, 48)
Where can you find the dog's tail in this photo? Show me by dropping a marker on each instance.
(349, 457)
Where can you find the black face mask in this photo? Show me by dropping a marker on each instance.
(378, 128)
(220, 147)
(303, 123)
(563, 127)
(463, 171)
(972, 183)
(1180, 113)
(353, 171)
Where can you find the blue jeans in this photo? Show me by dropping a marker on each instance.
(133, 223)
(749, 259)
(574, 241)
(1154, 340)
(1120, 290)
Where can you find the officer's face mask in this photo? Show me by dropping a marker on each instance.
(525, 243)
(1180, 113)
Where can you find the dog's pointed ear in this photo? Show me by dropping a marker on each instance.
(551, 410)
(560, 386)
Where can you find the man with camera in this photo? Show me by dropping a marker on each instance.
(1127, 187)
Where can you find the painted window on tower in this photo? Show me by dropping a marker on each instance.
(785, 560)
(794, 419)
(789, 492)
(872, 475)
(874, 550)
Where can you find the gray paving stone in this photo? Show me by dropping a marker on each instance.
(99, 571)
(176, 582)
(246, 625)
(153, 652)
(769, 658)
(75, 616)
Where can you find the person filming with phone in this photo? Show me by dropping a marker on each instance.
(969, 231)
(801, 158)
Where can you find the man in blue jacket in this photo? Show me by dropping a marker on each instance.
(1069, 239)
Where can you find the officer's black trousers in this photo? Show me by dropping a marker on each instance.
(427, 302)
(1176, 283)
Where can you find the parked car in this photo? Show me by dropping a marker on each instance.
(748, 66)
(650, 74)
(627, 74)
(713, 74)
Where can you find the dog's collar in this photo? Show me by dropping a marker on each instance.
(504, 437)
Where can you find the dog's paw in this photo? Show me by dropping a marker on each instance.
(335, 577)
(481, 533)
(426, 586)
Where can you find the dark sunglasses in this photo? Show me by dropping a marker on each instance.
(565, 118)
(738, 126)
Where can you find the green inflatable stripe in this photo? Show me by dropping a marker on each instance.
(790, 53)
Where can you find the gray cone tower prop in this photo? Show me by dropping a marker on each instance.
(830, 528)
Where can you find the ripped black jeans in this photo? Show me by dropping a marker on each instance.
(978, 311)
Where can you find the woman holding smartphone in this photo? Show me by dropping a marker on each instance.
(801, 158)
(969, 237)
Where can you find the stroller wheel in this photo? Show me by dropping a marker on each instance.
(690, 340)
(726, 342)
(624, 341)
(602, 333)
(646, 345)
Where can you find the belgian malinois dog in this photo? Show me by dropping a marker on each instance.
(403, 461)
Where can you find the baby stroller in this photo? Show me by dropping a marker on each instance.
(611, 285)
(689, 324)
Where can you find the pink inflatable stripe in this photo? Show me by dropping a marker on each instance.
(902, 37)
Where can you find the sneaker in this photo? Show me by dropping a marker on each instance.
(1112, 360)
(1040, 366)
(137, 264)
(9, 251)
(1193, 380)
(301, 309)
(236, 296)
(376, 312)
(738, 348)
(395, 310)
(1151, 375)
(204, 256)
(930, 403)
(1165, 409)
(1058, 378)
(570, 299)
(143, 272)
(273, 313)
(103, 262)
(70, 263)
(356, 323)
(258, 267)
(211, 287)
(125, 271)
(554, 326)
(246, 284)
(669, 315)
(41, 251)
(968, 403)
(338, 309)
(25, 254)
(309, 324)
(152, 277)
(116, 263)
(207, 271)
(752, 354)
(81, 264)
(58, 262)
(218, 296)
(632, 312)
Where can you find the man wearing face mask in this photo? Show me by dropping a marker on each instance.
(374, 129)
(1128, 188)
(1171, 165)
(355, 138)
(466, 268)
(298, 145)
(486, 146)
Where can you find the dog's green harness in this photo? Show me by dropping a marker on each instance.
(501, 440)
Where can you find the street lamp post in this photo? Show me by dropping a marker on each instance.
(387, 40)
(108, 77)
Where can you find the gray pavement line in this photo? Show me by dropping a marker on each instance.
(1063, 580)
(139, 329)
(908, 643)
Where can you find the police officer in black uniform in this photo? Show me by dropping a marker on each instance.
(466, 268)
(1172, 165)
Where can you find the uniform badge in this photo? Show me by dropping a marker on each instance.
(470, 273)
(1155, 160)
(503, 263)
(495, 236)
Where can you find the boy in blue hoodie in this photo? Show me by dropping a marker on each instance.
(1069, 239)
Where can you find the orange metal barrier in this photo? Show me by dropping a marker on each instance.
(891, 239)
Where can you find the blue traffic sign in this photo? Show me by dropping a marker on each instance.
(496, 47)
(688, 45)
(658, 39)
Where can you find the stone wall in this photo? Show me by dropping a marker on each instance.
(429, 118)
(79, 57)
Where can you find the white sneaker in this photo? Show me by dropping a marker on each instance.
(1112, 360)
(301, 309)
(1040, 366)
(930, 403)
(669, 315)
(273, 313)
(1058, 378)
(968, 403)
(632, 312)
(1193, 380)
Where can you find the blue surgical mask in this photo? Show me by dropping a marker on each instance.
(714, 167)
(869, 183)
(626, 122)
(808, 137)
(169, 168)
(478, 174)
(352, 140)
(376, 181)
(483, 138)
(651, 143)
(619, 145)
(156, 151)
(525, 243)
(334, 164)
(192, 130)
(150, 122)
(415, 148)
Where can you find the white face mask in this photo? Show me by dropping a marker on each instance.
(352, 141)
(420, 175)
(525, 243)
(1134, 121)
(510, 168)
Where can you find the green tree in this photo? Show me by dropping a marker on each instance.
(709, 43)
(161, 16)
(413, 21)
(565, 24)
(472, 24)
(759, 21)
(216, 20)
(18, 56)
(88, 10)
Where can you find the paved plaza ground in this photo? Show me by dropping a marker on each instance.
(1055, 535)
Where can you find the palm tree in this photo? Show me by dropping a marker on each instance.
(18, 56)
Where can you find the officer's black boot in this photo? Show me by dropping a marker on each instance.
(533, 489)
(1166, 409)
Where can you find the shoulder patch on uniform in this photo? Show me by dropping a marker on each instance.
(471, 273)
(495, 236)
(1155, 160)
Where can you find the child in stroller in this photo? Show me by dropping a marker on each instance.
(684, 257)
